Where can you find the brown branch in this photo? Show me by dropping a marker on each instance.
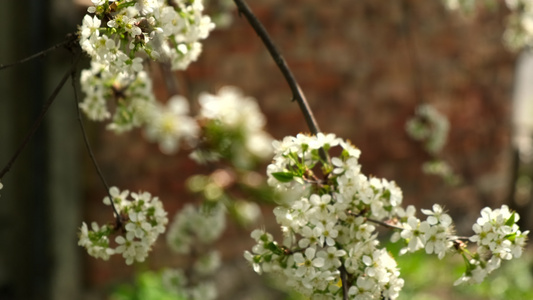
(344, 282)
(40, 118)
(382, 223)
(118, 217)
(66, 43)
(297, 93)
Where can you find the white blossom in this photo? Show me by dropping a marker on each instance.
(170, 125)
(118, 48)
(142, 220)
(195, 224)
(239, 124)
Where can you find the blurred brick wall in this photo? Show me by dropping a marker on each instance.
(364, 66)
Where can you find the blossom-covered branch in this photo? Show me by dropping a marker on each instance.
(143, 219)
(327, 226)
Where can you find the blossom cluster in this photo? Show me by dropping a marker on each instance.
(431, 127)
(498, 238)
(119, 36)
(519, 25)
(221, 12)
(193, 225)
(175, 281)
(192, 232)
(428, 126)
(229, 125)
(119, 32)
(442, 169)
(233, 128)
(519, 28)
(216, 186)
(325, 222)
(329, 219)
(433, 234)
(142, 219)
(170, 124)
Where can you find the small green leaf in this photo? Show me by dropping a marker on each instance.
(293, 156)
(283, 176)
(386, 194)
(511, 237)
(511, 220)
(257, 259)
(273, 246)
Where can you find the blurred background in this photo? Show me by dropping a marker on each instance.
(364, 66)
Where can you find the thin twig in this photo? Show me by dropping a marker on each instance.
(384, 224)
(90, 151)
(70, 38)
(297, 93)
(40, 118)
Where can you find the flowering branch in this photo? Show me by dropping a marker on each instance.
(329, 221)
(297, 93)
(40, 118)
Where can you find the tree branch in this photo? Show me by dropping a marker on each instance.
(344, 282)
(384, 224)
(40, 118)
(297, 93)
(118, 217)
(68, 40)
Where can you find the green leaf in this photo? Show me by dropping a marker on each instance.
(511, 220)
(272, 246)
(511, 237)
(283, 176)
(386, 194)
(293, 156)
